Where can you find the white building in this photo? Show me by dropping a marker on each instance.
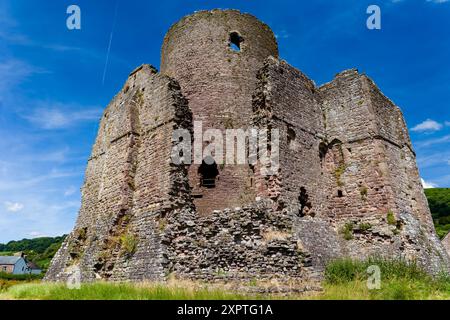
(17, 265)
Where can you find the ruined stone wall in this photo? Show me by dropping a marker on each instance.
(347, 169)
(353, 160)
(243, 244)
(347, 185)
(370, 164)
(219, 83)
(286, 100)
(400, 157)
(377, 203)
(130, 183)
(446, 243)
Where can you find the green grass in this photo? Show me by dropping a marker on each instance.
(394, 289)
(8, 280)
(117, 291)
(346, 279)
(20, 277)
(346, 270)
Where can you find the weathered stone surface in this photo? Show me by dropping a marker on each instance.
(348, 183)
(219, 83)
(446, 243)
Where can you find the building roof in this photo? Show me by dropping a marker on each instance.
(32, 266)
(9, 260)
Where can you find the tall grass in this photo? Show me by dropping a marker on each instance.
(345, 270)
(8, 280)
(346, 279)
(118, 291)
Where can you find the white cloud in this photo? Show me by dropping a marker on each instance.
(432, 158)
(20, 184)
(432, 142)
(283, 34)
(70, 191)
(427, 126)
(428, 185)
(14, 72)
(53, 156)
(13, 206)
(56, 116)
(37, 234)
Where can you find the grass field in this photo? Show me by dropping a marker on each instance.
(344, 280)
(347, 280)
(118, 291)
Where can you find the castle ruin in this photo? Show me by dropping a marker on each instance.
(348, 183)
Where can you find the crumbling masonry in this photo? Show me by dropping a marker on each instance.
(348, 183)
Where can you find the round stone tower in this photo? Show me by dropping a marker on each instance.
(215, 56)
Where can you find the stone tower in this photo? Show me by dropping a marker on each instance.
(215, 55)
(347, 184)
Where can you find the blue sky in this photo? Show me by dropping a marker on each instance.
(52, 91)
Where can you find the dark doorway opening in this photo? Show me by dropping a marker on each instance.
(208, 173)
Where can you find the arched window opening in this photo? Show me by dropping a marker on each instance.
(291, 138)
(323, 149)
(208, 173)
(305, 204)
(235, 41)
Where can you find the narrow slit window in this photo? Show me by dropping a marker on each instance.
(291, 136)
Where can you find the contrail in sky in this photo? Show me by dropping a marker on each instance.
(110, 41)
